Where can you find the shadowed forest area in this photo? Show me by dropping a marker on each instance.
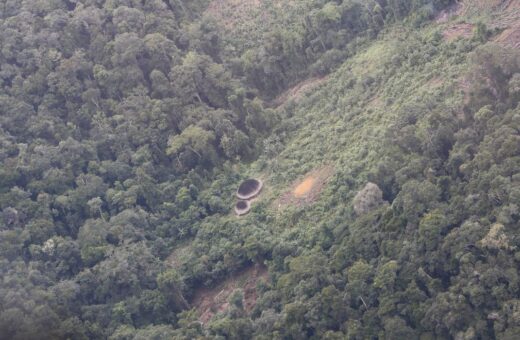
(385, 135)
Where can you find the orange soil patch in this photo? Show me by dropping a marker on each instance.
(298, 91)
(304, 187)
(210, 301)
(308, 189)
(458, 31)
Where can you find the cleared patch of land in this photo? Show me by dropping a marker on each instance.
(503, 15)
(476, 7)
(510, 37)
(304, 187)
(455, 31)
(214, 300)
(308, 189)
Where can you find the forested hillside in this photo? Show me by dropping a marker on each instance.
(385, 132)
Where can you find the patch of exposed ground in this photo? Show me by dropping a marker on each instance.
(304, 187)
(479, 7)
(510, 37)
(307, 189)
(503, 15)
(509, 20)
(214, 300)
(296, 92)
(455, 31)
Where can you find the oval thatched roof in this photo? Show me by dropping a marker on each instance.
(249, 189)
(242, 207)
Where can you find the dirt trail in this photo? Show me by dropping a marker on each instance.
(210, 301)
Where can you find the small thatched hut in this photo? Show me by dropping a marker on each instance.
(242, 207)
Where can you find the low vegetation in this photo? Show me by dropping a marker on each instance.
(126, 128)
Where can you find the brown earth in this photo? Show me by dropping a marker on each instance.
(510, 37)
(482, 6)
(304, 187)
(504, 15)
(509, 20)
(308, 189)
(455, 31)
(210, 301)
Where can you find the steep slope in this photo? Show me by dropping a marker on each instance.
(394, 114)
(386, 134)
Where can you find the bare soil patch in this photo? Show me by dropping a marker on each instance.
(453, 32)
(509, 20)
(298, 91)
(308, 189)
(482, 6)
(210, 301)
(304, 187)
(510, 37)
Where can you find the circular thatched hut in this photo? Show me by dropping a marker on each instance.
(249, 189)
(242, 207)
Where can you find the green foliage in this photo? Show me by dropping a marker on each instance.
(125, 127)
(386, 275)
(170, 285)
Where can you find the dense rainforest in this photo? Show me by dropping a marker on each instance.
(386, 134)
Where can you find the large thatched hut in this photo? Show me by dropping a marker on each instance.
(249, 189)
